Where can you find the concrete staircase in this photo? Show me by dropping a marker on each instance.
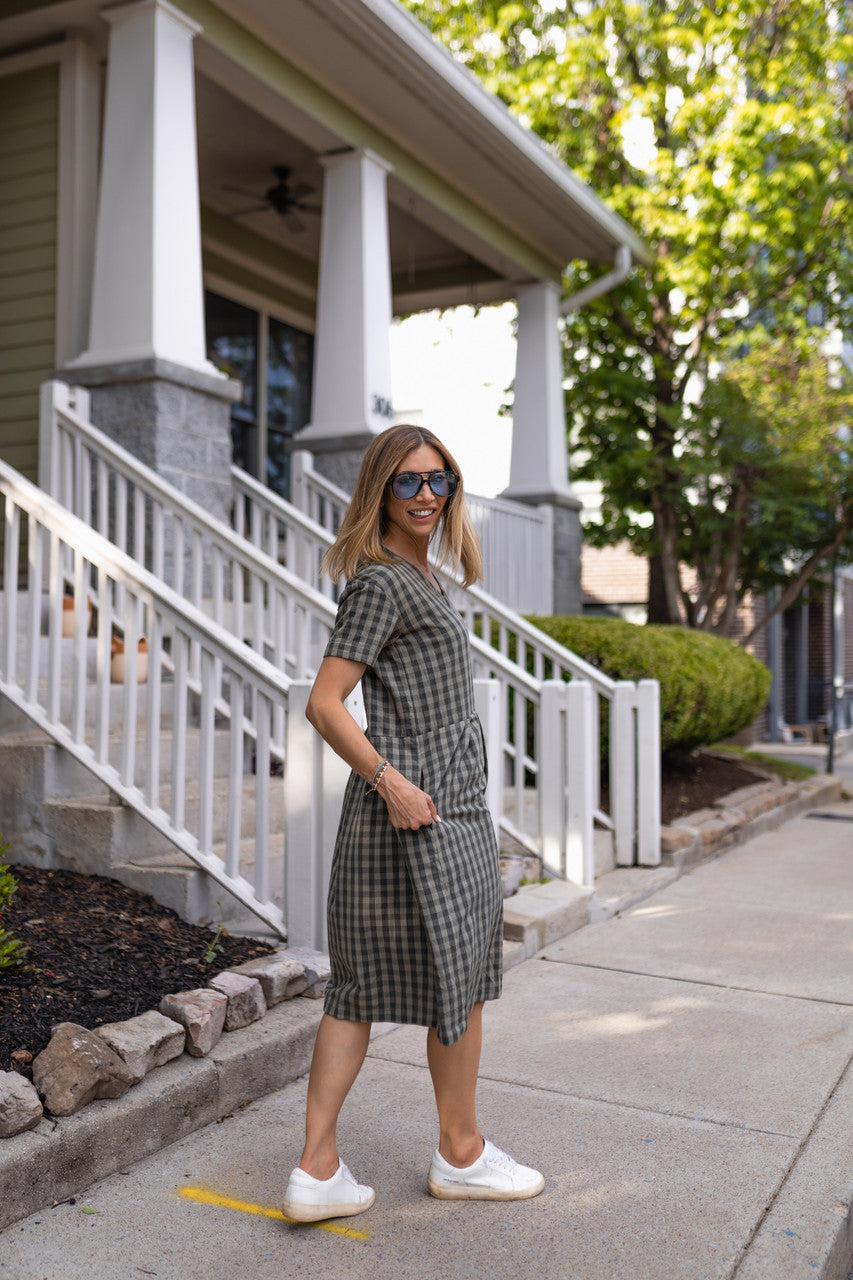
(56, 814)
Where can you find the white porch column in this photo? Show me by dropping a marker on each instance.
(539, 464)
(147, 298)
(352, 347)
(539, 460)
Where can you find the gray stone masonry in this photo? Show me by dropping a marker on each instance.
(175, 420)
(338, 458)
(76, 1068)
(202, 1015)
(144, 1042)
(20, 1107)
(246, 1002)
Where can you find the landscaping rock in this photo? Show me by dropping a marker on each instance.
(245, 999)
(202, 1015)
(281, 977)
(317, 968)
(76, 1068)
(20, 1105)
(145, 1042)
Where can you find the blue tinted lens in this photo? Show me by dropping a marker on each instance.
(408, 483)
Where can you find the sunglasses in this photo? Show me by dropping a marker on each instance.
(407, 483)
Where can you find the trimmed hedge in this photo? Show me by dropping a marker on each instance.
(710, 688)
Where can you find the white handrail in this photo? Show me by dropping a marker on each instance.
(115, 730)
(266, 604)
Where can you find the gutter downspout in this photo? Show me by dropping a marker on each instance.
(622, 265)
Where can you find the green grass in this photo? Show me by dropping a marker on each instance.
(787, 769)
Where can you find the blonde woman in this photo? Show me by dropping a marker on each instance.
(415, 900)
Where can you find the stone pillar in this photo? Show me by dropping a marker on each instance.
(152, 387)
(539, 464)
(352, 346)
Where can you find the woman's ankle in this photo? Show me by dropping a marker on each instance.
(461, 1152)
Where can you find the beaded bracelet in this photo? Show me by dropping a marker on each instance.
(377, 777)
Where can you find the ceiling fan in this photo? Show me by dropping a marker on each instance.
(285, 199)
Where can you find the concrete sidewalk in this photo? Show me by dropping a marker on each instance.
(681, 1073)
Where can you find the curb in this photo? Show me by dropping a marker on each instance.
(63, 1156)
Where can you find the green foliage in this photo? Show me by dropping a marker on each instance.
(741, 186)
(12, 951)
(790, 770)
(709, 688)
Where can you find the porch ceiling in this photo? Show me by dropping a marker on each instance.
(477, 205)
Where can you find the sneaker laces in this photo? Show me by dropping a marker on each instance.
(499, 1159)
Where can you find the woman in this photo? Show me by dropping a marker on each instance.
(415, 900)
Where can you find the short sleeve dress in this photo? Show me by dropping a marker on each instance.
(415, 917)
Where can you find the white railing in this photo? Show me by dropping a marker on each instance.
(547, 798)
(197, 675)
(518, 552)
(552, 798)
(267, 605)
(281, 530)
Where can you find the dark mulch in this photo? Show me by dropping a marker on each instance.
(97, 952)
(102, 953)
(696, 780)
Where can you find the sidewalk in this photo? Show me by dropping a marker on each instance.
(682, 1074)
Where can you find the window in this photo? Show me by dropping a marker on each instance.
(242, 342)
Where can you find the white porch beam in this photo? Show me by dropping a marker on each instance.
(352, 345)
(539, 459)
(147, 299)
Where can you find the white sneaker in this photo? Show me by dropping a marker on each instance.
(495, 1176)
(310, 1199)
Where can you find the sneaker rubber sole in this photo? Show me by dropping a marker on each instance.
(296, 1211)
(469, 1191)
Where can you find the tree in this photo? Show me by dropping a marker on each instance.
(722, 134)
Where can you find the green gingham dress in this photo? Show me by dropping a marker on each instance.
(415, 917)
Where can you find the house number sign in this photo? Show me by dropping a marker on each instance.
(382, 406)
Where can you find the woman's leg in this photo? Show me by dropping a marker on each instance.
(454, 1071)
(339, 1051)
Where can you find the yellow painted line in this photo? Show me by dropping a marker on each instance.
(202, 1196)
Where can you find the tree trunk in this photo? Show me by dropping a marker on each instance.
(658, 608)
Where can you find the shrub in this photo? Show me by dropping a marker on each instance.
(12, 950)
(710, 688)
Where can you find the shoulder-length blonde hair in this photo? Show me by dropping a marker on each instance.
(359, 540)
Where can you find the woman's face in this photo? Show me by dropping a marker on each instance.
(416, 517)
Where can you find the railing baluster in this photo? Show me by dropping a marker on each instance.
(180, 654)
(11, 551)
(263, 762)
(205, 764)
(236, 756)
(153, 698)
(35, 598)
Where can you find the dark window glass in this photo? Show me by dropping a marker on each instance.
(290, 359)
(232, 345)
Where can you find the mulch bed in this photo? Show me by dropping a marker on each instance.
(99, 952)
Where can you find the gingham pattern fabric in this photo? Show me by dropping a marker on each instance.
(415, 917)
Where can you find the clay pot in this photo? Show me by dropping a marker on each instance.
(68, 615)
(117, 661)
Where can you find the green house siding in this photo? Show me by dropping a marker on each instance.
(28, 161)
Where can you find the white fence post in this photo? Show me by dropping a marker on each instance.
(300, 461)
(623, 771)
(648, 773)
(487, 699)
(314, 782)
(551, 782)
(580, 749)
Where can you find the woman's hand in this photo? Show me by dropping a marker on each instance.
(409, 808)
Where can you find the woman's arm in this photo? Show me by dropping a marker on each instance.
(408, 807)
